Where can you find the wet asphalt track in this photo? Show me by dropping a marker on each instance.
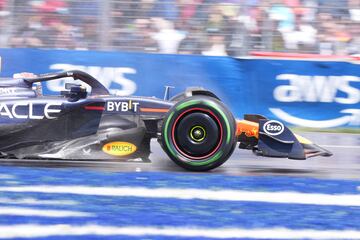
(344, 164)
(248, 197)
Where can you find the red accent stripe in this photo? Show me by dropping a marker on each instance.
(173, 133)
(153, 110)
(95, 108)
(303, 56)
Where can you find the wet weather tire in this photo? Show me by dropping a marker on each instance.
(198, 133)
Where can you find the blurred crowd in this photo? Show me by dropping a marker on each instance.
(207, 27)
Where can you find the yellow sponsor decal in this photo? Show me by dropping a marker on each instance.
(302, 140)
(119, 148)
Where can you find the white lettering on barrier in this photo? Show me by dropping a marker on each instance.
(349, 116)
(106, 75)
(302, 88)
(325, 89)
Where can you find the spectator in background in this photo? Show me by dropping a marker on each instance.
(55, 19)
(166, 9)
(211, 27)
(194, 41)
(324, 37)
(233, 30)
(64, 36)
(262, 30)
(4, 35)
(354, 43)
(143, 8)
(47, 27)
(167, 37)
(78, 25)
(215, 20)
(88, 37)
(309, 10)
(50, 6)
(337, 8)
(277, 41)
(342, 37)
(303, 37)
(2, 5)
(188, 10)
(141, 36)
(4, 30)
(334, 36)
(52, 12)
(283, 14)
(82, 10)
(354, 10)
(29, 35)
(217, 45)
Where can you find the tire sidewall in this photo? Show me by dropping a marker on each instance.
(228, 141)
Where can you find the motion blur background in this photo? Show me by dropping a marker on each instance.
(296, 61)
(207, 27)
(292, 60)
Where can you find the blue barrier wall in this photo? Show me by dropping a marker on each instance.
(305, 93)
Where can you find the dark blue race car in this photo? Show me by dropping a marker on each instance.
(194, 128)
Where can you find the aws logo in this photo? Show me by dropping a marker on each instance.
(119, 148)
(321, 89)
(326, 89)
(117, 79)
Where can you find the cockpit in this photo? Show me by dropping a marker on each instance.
(74, 92)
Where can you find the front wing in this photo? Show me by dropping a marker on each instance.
(271, 138)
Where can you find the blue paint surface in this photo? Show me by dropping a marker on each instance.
(310, 90)
(165, 212)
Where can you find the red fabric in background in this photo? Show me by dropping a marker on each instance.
(52, 5)
(302, 56)
(2, 4)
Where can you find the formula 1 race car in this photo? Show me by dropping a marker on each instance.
(194, 128)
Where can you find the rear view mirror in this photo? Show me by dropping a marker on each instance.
(68, 86)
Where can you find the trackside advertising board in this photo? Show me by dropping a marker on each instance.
(319, 94)
(306, 93)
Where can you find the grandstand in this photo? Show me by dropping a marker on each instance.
(207, 27)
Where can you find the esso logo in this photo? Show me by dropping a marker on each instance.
(273, 128)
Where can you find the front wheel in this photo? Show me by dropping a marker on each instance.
(198, 133)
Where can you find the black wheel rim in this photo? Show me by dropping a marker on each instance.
(197, 134)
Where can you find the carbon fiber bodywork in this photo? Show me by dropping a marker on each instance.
(81, 125)
(35, 126)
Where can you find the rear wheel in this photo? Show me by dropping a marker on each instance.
(198, 133)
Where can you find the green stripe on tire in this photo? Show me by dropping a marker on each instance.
(166, 135)
(228, 137)
(211, 160)
(187, 104)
